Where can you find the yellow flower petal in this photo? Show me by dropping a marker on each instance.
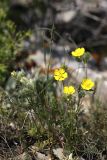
(78, 52)
(65, 75)
(56, 77)
(87, 84)
(60, 74)
(65, 90)
(61, 70)
(69, 90)
(56, 72)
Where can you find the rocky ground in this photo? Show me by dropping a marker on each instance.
(59, 27)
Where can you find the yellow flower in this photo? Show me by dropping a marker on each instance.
(60, 74)
(87, 84)
(78, 52)
(69, 90)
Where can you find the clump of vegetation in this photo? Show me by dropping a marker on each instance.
(11, 43)
(45, 112)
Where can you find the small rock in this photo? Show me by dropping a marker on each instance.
(65, 16)
(41, 156)
(58, 153)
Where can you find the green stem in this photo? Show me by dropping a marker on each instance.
(85, 70)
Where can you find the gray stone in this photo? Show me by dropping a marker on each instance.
(59, 153)
(41, 156)
(65, 17)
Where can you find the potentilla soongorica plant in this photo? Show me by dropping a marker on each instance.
(60, 74)
(57, 116)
